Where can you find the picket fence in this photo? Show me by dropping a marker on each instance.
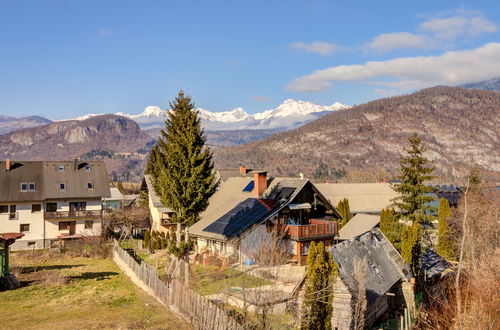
(201, 312)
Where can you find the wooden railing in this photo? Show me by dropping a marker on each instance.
(317, 228)
(73, 214)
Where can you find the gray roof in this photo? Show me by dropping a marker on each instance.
(10, 181)
(148, 180)
(433, 264)
(236, 173)
(363, 197)
(233, 192)
(47, 176)
(385, 265)
(358, 225)
(75, 179)
(116, 195)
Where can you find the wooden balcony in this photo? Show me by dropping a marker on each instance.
(60, 215)
(315, 229)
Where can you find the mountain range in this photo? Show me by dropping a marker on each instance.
(9, 124)
(491, 84)
(287, 115)
(460, 128)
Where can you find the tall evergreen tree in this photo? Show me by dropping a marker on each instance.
(391, 227)
(181, 164)
(318, 293)
(344, 210)
(413, 199)
(446, 244)
(411, 249)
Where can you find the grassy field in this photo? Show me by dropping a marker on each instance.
(207, 280)
(89, 293)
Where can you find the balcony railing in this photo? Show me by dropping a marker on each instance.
(73, 214)
(316, 229)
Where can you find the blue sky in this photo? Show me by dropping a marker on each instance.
(62, 59)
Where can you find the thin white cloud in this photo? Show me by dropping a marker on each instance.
(450, 68)
(435, 33)
(399, 40)
(457, 26)
(317, 47)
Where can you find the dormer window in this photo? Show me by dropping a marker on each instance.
(62, 186)
(90, 185)
(28, 186)
(60, 168)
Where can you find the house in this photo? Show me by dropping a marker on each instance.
(246, 214)
(159, 214)
(51, 200)
(386, 279)
(368, 198)
(113, 202)
(358, 225)
(7, 280)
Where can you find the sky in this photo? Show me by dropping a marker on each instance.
(62, 59)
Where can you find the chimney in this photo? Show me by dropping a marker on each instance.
(76, 164)
(259, 183)
(243, 170)
(7, 164)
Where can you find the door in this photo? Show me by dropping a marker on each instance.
(72, 227)
(75, 208)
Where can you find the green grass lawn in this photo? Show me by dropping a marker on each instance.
(64, 292)
(207, 280)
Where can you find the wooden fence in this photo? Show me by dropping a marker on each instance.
(200, 311)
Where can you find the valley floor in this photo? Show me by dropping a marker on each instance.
(78, 293)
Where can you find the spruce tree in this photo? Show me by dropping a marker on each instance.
(412, 202)
(446, 246)
(181, 164)
(318, 291)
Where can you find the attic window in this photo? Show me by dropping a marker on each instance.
(28, 186)
(90, 185)
(60, 168)
(62, 186)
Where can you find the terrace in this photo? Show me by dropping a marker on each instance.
(55, 215)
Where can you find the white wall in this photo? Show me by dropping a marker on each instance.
(35, 220)
(155, 216)
(52, 228)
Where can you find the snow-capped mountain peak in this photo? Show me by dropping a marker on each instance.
(289, 114)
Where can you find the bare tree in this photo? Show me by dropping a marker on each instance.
(360, 269)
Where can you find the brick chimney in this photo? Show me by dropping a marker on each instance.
(7, 164)
(259, 183)
(243, 170)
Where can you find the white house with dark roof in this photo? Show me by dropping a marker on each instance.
(51, 200)
(159, 214)
(245, 211)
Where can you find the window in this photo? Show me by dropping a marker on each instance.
(31, 244)
(12, 212)
(90, 185)
(63, 225)
(25, 227)
(60, 168)
(36, 208)
(51, 207)
(89, 224)
(62, 186)
(87, 167)
(4, 208)
(28, 186)
(77, 206)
